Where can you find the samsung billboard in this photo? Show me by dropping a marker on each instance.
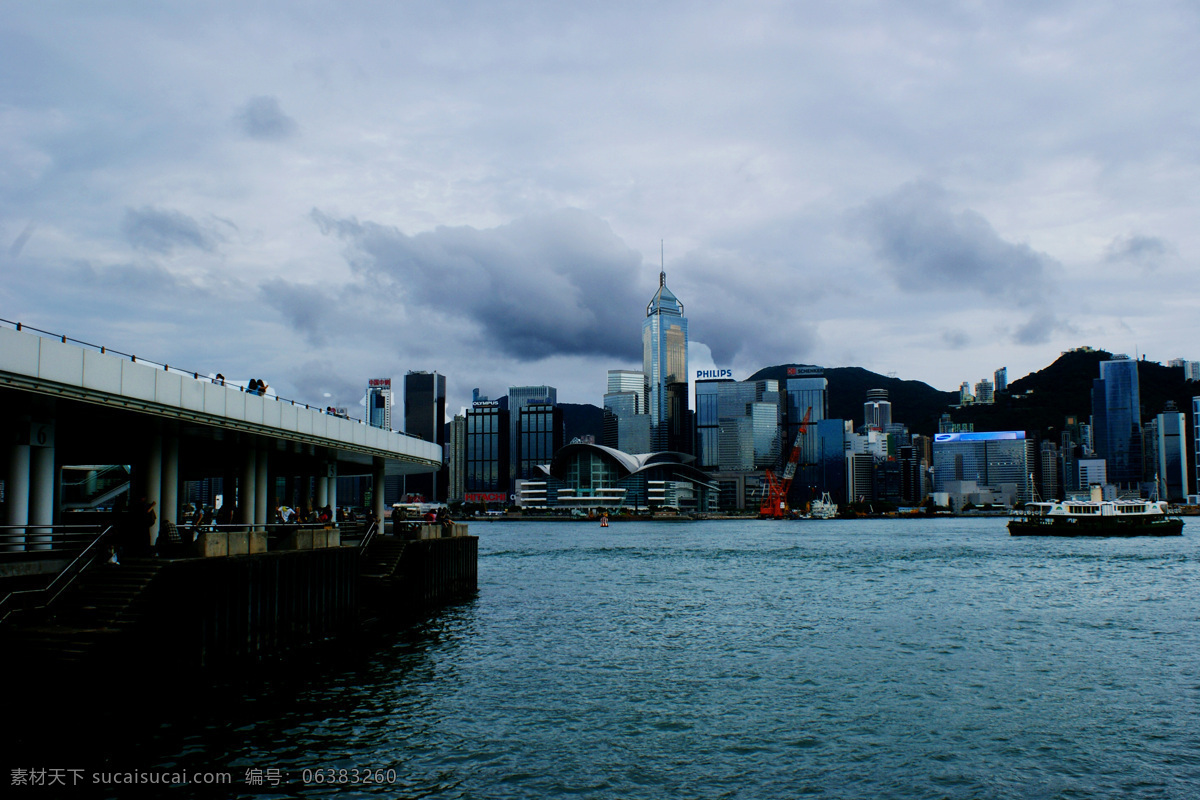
(986, 436)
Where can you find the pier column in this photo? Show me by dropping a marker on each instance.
(262, 490)
(322, 489)
(154, 462)
(246, 488)
(169, 507)
(300, 490)
(41, 485)
(377, 490)
(17, 489)
(333, 489)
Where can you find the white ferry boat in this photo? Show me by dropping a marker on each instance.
(1095, 518)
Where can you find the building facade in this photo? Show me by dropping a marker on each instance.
(877, 410)
(596, 477)
(1171, 447)
(456, 465)
(1196, 441)
(519, 397)
(988, 459)
(486, 475)
(540, 436)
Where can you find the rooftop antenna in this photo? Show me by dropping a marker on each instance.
(662, 261)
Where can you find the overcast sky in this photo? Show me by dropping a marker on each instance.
(321, 193)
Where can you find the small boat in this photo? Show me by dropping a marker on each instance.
(824, 508)
(1095, 518)
(604, 520)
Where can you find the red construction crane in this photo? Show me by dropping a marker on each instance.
(774, 505)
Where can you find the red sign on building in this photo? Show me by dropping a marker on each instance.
(485, 497)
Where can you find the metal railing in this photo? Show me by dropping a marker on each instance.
(195, 375)
(42, 597)
(369, 535)
(45, 540)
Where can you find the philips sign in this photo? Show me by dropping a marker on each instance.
(701, 374)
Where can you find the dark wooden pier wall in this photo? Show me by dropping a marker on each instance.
(434, 571)
(217, 612)
(221, 612)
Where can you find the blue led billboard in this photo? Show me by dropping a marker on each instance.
(983, 436)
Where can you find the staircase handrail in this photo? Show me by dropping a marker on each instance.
(101, 474)
(368, 536)
(62, 580)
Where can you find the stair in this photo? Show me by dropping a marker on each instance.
(381, 559)
(102, 605)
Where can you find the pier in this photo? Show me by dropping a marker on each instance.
(239, 593)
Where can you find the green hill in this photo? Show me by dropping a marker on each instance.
(1040, 402)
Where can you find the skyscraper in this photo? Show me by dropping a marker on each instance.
(665, 362)
(425, 417)
(1117, 421)
(621, 381)
(518, 398)
(877, 411)
(457, 458)
(379, 403)
(485, 478)
(1196, 439)
(985, 392)
(540, 436)
(1001, 376)
(808, 388)
(737, 424)
(1172, 458)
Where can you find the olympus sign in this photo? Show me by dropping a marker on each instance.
(713, 373)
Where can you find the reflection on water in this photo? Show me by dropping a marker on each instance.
(758, 659)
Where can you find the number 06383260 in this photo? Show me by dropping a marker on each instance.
(348, 776)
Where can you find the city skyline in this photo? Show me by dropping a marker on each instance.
(320, 198)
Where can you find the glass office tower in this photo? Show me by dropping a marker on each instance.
(518, 398)
(665, 362)
(487, 450)
(540, 436)
(425, 417)
(1116, 420)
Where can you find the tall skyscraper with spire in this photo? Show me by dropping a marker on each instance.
(665, 362)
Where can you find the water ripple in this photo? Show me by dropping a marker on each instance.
(939, 659)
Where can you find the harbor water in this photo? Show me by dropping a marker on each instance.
(748, 659)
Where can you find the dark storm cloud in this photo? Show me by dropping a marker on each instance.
(1144, 251)
(162, 230)
(1040, 328)
(18, 244)
(262, 118)
(956, 339)
(925, 245)
(557, 284)
(304, 307)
